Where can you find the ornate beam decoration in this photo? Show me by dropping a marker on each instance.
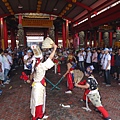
(80, 4)
(65, 10)
(7, 4)
(39, 3)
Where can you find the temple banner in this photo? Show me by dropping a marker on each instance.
(106, 28)
(37, 23)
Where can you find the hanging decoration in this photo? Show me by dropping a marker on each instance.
(76, 41)
(52, 33)
(20, 35)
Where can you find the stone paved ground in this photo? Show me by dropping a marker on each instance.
(14, 102)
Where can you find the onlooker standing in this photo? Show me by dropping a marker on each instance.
(1, 69)
(88, 57)
(106, 66)
(10, 59)
(117, 65)
(7, 67)
(101, 72)
(81, 60)
(95, 59)
(112, 71)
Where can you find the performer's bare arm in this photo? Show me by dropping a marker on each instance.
(68, 69)
(66, 73)
(83, 86)
(53, 52)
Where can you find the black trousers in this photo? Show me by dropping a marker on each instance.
(107, 76)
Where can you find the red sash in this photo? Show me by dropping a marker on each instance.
(43, 82)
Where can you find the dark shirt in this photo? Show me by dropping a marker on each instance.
(93, 83)
(117, 60)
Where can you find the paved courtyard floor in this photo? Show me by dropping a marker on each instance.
(15, 99)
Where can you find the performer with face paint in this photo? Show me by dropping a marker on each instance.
(91, 85)
(38, 93)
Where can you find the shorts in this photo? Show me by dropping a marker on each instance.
(117, 69)
(27, 72)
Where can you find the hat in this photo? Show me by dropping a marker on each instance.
(47, 43)
(106, 49)
(110, 49)
(37, 52)
(29, 51)
(89, 69)
(82, 48)
(88, 49)
(10, 52)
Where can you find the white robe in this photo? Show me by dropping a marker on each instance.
(38, 93)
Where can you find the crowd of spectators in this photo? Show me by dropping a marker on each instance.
(106, 61)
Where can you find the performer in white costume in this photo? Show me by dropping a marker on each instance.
(38, 93)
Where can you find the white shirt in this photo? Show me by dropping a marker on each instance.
(106, 58)
(2, 73)
(101, 57)
(81, 56)
(94, 57)
(88, 59)
(6, 63)
(28, 62)
(2, 61)
(10, 59)
(84, 53)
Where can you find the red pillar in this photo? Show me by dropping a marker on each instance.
(100, 38)
(64, 34)
(95, 34)
(5, 34)
(13, 39)
(90, 44)
(56, 36)
(67, 33)
(110, 39)
(1, 33)
(20, 18)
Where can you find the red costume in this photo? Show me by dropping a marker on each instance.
(56, 61)
(70, 80)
